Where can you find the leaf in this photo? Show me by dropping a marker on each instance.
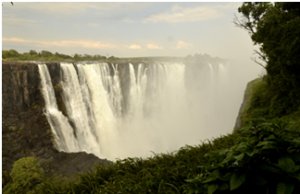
(212, 188)
(286, 164)
(215, 175)
(284, 188)
(242, 147)
(267, 145)
(240, 157)
(237, 180)
(263, 143)
(229, 157)
(195, 179)
(210, 179)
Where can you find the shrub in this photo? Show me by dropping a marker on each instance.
(265, 160)
(26, 174)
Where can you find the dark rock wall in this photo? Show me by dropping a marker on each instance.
(25, 129)
(20, 88)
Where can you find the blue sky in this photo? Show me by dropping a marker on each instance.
(125, 29)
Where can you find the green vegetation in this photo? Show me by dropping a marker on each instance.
(275, 28)
(46, 56)
(259, 107)
(262, 156)
(264, 160)
(26, 175)
(13, 55)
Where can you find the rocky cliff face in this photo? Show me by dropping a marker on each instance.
(20, 88)
(25, 130)
(248, 95)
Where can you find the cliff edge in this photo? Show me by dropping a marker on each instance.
(25, 129)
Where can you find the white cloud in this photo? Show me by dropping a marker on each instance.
(135, 46)
(15, 40)
(182, 44)
(153, 46)
(182, 14)
(61, 43)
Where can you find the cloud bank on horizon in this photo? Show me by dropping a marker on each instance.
(125, 29)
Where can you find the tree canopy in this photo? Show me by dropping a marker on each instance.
(275, 28)
(47, 56)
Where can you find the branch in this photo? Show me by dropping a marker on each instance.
(261, 57)
(245, 25)
(259, 63)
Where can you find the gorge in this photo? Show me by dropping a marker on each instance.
(113, 110)
(105, 107)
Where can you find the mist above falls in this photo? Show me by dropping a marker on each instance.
(132, 110)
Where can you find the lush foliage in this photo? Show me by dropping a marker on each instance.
(32, 55)
(26, 175)
(263, 158)
(275, 28)
(165, 173)
(257, 107)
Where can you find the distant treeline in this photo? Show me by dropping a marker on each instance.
(44, 55)
(32, 55)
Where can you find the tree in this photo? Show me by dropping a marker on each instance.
(26, 174)
(77, 56)
(275, 28)
(62, 56)
(10, 54)
(46, 53)
(33, 52)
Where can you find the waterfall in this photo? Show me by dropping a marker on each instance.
(96, 77)
(138, 83)
(117, 111)
(63, 133)
(77, 110)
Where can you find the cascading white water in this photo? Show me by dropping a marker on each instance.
(77, 111)
(137, 91)
(101, 105)
(156, 109)
(111, 84)
(63, 133)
